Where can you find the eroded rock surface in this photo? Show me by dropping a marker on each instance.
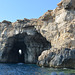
(66, 58)
(50, 39)
(59, 30)
(23, 36)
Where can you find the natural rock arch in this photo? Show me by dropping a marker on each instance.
(31, 47)
(11, 50)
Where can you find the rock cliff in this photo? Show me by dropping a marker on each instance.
(20, 42)
(59, 29)
(48, 40)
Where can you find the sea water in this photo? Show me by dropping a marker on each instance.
(31, 69)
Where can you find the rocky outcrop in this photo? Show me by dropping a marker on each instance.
(50, 39)
(66, 58)
(59, 29)
(22, 36)
(68, 4)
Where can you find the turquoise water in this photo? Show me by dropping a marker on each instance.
(24, 69)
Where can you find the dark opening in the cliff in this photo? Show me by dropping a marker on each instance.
(24, 48)
(15, 49)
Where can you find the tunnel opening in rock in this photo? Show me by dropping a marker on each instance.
(15, 49)
(24, 48)
(19, 50)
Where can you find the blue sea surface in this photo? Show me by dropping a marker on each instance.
(31, 69)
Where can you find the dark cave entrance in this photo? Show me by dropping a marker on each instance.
(15, 49)
(24, 48)
(19, 49)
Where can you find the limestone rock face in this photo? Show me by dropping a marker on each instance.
(59, 30)
(68, 4)
(66, 58)
(50, 39)
(22, 36)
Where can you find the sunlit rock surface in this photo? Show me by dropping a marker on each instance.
(59, 29)
(20, 42)
(50, 39)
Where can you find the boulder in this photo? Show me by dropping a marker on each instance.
(66, 58)
(63, 59)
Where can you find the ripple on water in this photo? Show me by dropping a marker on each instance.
(29, 69)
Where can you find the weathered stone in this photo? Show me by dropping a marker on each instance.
(4, 21)
(60, 4)
(22, 36)
(60, 33)
(45, 58)
(43, 39)
(68, 4)
(66, 58)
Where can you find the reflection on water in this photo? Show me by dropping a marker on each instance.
(24, 69)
